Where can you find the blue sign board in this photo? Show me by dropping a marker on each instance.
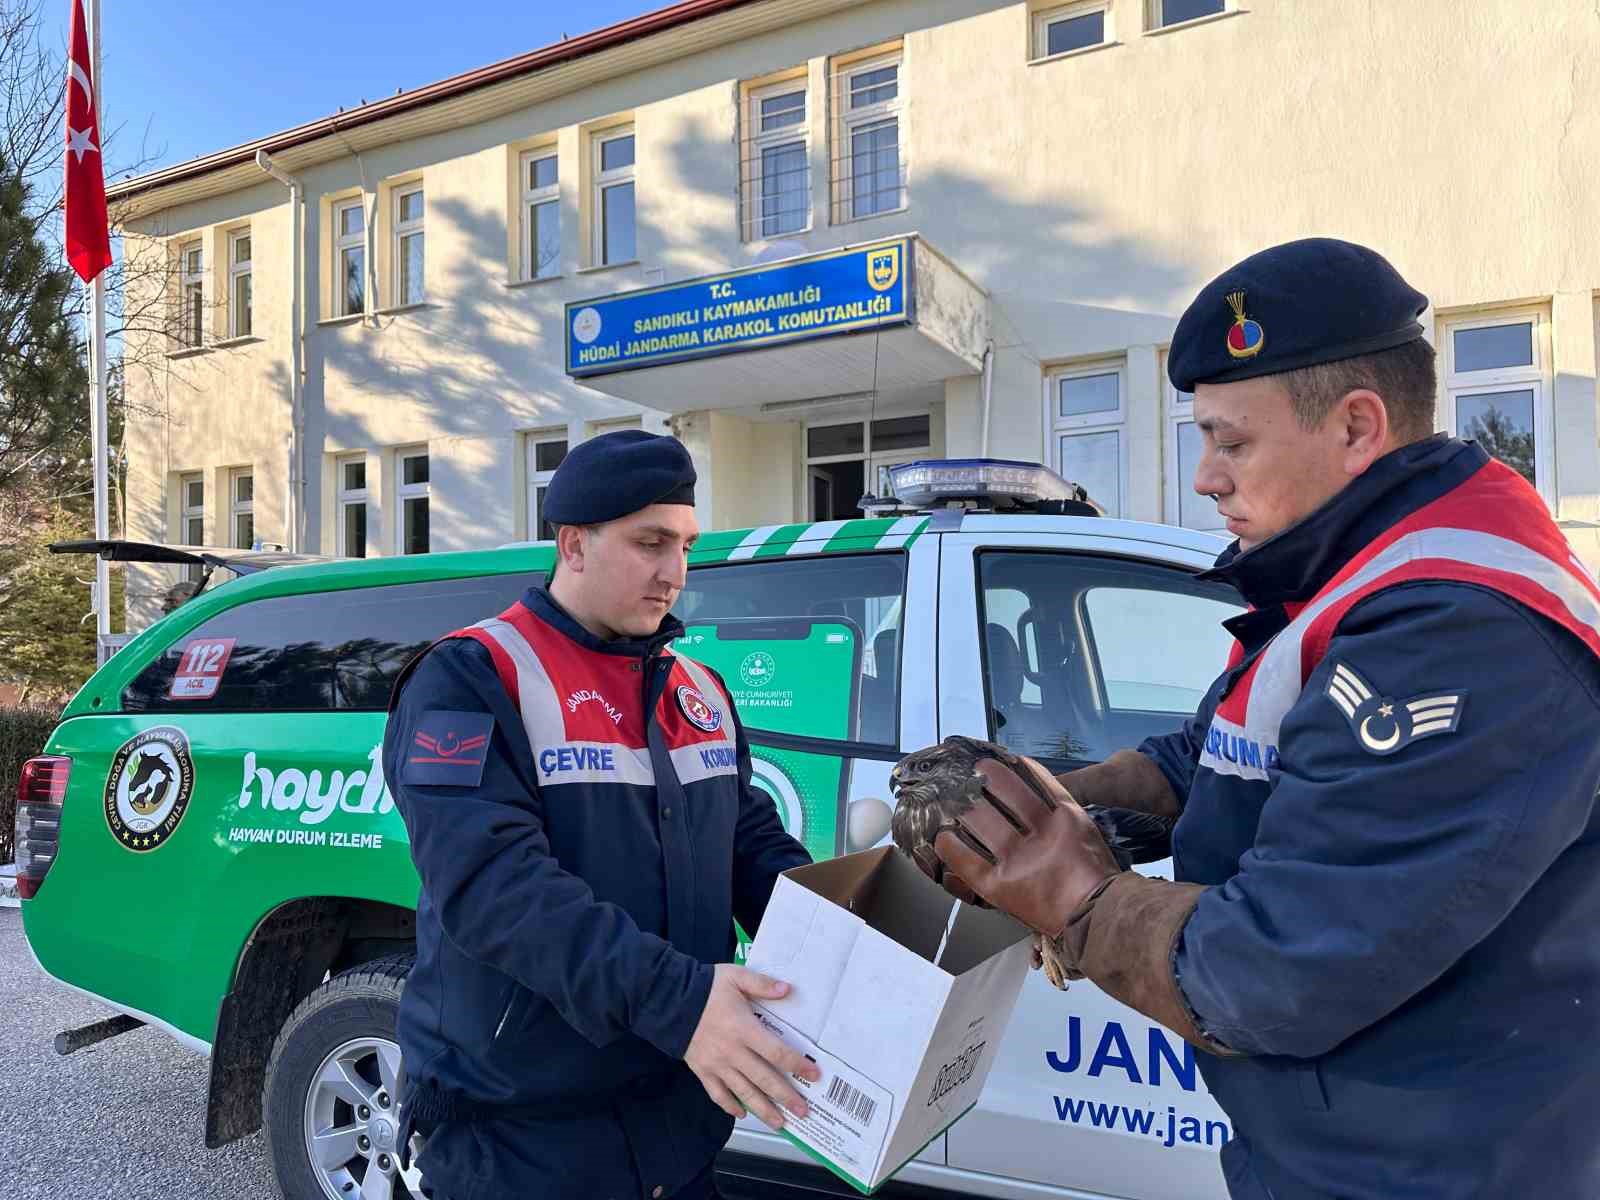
(759, 306)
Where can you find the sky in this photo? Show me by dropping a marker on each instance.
(183, 79)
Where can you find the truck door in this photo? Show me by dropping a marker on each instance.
(1066, 648)
(777, 630)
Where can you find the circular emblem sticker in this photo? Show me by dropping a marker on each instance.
(148, 787)
(586, 325)
(701, 714)
(758, 669)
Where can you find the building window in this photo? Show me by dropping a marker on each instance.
(1184, 446)
(777, 164)
(242, 509)
(413, 496)
(545, 454)
(408, 256)
(352, 532)
(844, 460)
(350, 257)
(192, 517)
(614, 224)
(1497, 392)
(1165, 13)
(191, 295)
(1085, 411)
(240, 323)
(541, 215)
(868, 171)
(1072, 28)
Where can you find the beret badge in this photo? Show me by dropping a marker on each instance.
(1245, 337)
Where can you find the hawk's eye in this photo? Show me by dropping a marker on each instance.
(924, 766)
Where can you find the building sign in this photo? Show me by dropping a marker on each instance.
(759, 306)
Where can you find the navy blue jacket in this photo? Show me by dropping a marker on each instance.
(1401, 933)
(576, 890)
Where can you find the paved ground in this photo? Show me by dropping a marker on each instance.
(125, 1118)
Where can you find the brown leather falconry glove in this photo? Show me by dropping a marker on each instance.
(1127, 779)
(1029, 849)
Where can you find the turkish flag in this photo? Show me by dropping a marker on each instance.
(88, 238)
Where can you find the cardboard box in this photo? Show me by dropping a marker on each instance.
(899, 993)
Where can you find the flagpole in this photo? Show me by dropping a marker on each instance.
(97, 424)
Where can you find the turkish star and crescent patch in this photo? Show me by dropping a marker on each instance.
(448, 748)
(1384, 725)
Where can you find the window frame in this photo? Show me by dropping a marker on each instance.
(346, 498)
(532, 198)
(191, 512)
(1085, 424)
(238, 270)
(1155, 8)
(603, 181)
(411, 491)
(1044, 18)
(343, 243)
(539, 481)
(872, 461)
(1534, 377)
(404, 231)
(1179, 412)
(759, 141)
(850, 121)
(241, 508)
(191, 319)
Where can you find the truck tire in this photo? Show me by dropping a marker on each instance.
(332, 1090)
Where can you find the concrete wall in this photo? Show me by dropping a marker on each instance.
(1089, 195)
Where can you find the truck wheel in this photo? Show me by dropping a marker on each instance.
(333, 1087)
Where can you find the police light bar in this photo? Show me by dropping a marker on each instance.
(997, 482)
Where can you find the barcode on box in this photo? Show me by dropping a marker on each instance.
(857, 1105)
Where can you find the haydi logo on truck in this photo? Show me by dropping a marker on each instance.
(291, 789)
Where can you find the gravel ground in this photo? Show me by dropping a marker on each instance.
(125, 1118)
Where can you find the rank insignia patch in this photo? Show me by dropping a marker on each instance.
(448, 748)
(1383, 725)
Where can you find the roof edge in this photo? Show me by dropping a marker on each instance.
(659, 21)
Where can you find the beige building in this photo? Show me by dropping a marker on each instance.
(1071, 173)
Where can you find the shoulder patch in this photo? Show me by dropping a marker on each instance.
(448, 747)
(1383, 725)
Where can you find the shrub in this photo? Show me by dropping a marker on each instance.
(23, 732)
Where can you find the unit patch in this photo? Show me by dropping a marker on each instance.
(1383, 725)
(701, 714)
(1245, 337)
(448, 748)
(148, 787)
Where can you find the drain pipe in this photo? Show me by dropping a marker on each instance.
(295, 516)
(988, 384)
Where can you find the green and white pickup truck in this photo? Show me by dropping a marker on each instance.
(208, 845)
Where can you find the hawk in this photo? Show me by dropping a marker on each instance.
(933, 787)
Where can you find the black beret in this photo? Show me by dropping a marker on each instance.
(616, 474)
(1296, 305)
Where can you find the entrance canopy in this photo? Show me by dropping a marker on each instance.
(798, 329)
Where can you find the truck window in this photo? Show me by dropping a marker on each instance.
(855, 591)
(1086, 656)
(324, 650)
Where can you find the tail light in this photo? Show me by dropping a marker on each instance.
(40, 790)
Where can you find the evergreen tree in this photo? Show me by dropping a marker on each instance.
(44, 383)
(46, 642)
